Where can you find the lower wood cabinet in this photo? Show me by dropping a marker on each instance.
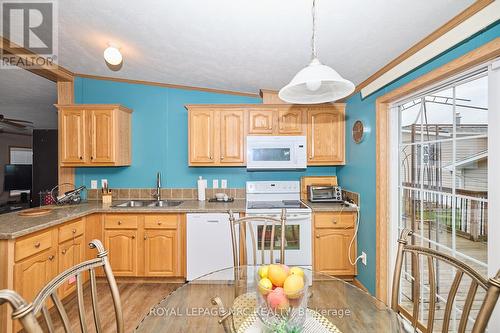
(333, 232)
(122, 248)
(71, 253)
(149, 247)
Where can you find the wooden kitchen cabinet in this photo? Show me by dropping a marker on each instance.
(333, 231)
(232, 137)
(291, 121)
(71, 253)
(122, 248)
(94, 135)
(202, 135)
(261, 121)
(326, 135)
(161, 253)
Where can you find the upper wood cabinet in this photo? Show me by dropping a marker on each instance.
(261, 121)
(94, 135)
(217, 133)
(326, 135)
(201, 136)
(216, 136)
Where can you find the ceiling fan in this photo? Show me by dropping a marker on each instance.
(18, 123)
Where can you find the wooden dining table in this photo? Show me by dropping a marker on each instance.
(189, 307)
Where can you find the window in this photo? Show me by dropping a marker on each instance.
(443, 185)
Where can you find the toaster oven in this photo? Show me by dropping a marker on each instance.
(317, 193)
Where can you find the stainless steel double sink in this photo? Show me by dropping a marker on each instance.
(149, 203)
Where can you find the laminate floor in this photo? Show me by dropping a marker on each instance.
(136, 299)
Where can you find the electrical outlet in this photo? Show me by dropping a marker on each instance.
(223, 183)
(215, 183)
(363, 258)
(104, 183)
(93, 184)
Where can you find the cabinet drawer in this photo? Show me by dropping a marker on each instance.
(34, 244)
(71, 230)
(121, 221)
(163, 221)
(334, 220)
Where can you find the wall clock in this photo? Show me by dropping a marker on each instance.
(358, 131)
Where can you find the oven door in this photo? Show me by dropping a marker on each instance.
(298, 244)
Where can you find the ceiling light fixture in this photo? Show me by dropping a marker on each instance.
(316, 83)
(113, 56)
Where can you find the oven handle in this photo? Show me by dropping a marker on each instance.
(291, 218)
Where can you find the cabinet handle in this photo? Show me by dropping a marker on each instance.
(51, 257)
(91, 157)
(81, 157)
(317, 235)
(159, 223)
(133, 237)
(63, 251)
(334, 221)
(119, 222)
(73, 231)
(37, 245)
(210, 156)
(222, 157)
(145, 237)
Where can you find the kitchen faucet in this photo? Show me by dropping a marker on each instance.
(157, 194)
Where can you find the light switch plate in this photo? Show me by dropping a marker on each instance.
(215, 183)
(93, 184)
(223, 183)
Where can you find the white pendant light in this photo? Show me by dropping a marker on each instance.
(316, 83)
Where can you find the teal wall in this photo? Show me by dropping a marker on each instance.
(159, 137)
(358, 174)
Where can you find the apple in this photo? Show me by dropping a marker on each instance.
(297, 271)
(277, 274)
(277, 300)
(263, 270)
(293, 286)
(265, 286)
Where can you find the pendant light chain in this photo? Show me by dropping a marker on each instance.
(313, 39)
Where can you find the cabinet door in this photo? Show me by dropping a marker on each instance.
(102, 136)
(261, 121)
(122, 247)
(161, 253)
(291, 122)
(32, 274)
(71, 253)
(325, 136)
(201, 137)
(232, 137)
(72, 136)
(331, 248)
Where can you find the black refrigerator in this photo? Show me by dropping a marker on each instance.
(44, 163)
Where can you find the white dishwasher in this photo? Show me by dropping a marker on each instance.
(208, 244)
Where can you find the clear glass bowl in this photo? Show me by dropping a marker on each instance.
(290, 314)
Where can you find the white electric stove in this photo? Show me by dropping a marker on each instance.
(268, 198)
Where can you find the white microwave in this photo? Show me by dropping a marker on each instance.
(276, 152)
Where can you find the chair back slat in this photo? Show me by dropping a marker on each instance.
(432, 294)
(27, 313)
(469, 300)
(81, 305)
(491, 286)
(93, 295)
(60, 310)
(251, 225)
(47, 319)
(416, 290)
(451, 299)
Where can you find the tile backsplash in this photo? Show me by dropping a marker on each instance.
(166, 193)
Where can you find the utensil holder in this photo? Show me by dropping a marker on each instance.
(107, 198)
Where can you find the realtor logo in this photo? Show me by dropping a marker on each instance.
(32, 30)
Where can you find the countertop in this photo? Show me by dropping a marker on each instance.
(329, 207)
(13, 226)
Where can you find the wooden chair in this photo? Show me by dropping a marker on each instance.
(491, 286)
(244, 225)
(27, 313)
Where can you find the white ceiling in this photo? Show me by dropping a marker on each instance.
(242, 45)
(26, 96)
